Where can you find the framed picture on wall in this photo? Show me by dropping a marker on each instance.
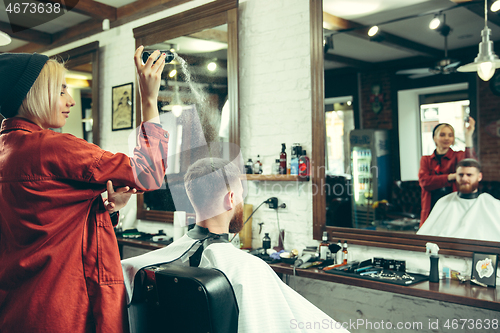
(123, 107)
(484, 269)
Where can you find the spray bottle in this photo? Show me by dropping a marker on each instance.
(433, 249)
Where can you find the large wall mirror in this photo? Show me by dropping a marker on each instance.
(82, 79)
(198, 99)
(399, 239)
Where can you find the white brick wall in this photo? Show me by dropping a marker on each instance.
(275, 108)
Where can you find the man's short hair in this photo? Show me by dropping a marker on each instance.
(469, 162)
(209, 179)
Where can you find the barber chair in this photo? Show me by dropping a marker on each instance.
(490, 186)
(175, 298)
(338, 201)
(402, 212)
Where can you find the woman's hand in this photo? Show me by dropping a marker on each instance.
(149, 82)
(119, 198)
(469, 130)
(452, 177)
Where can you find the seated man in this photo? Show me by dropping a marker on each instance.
(466, 213)
(266, 304)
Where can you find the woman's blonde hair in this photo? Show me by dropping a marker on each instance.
(440, 127)
(43, 96)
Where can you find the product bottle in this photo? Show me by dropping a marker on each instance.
(294, 160)
(249, 167)
(257, 166)
(434, 274)
(323, 247)
(338, 258)
(283, 160)
(276, 167)
(266, 242)
(304, 165)
(344, 253)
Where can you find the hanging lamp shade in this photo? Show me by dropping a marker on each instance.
(4, 39)
(486, 61)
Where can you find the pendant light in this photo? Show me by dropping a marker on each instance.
(486, 61)
(4, 39)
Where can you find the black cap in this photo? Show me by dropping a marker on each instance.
(18, 72)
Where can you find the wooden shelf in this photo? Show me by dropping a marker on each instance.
(276, 178)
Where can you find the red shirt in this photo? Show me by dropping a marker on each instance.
(60, 267)
(433, 176)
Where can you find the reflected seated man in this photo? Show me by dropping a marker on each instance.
(466, 213)
(266, 304)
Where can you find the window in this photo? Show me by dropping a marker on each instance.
(453, 113)
(339, 121)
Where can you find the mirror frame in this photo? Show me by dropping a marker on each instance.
(393, 240)
(88, 53)
(194, 20)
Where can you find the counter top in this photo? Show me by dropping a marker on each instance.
(446, 290)
(451, 291)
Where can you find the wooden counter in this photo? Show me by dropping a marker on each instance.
(446, 291)
(451, 291)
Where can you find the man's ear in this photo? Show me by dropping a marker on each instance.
(480, 177)
(229, 201)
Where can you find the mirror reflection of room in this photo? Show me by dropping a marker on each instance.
(79, 122)
(194, 108)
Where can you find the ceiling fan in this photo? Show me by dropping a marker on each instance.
(443, 66)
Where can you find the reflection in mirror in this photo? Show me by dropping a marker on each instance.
(79, 122)
(194, 109)
(83, 70)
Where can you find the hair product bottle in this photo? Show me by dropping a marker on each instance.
(339, 256)
(323, 247)
(344, 252)
(283, 160)
(266, 242)
(304, 165)
(257, 166)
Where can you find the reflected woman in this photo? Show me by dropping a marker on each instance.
(437, 171)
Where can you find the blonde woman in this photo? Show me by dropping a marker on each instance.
(437, 171)
(60, 266)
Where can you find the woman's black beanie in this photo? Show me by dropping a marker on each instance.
(18, 72)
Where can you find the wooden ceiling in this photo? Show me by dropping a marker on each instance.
(96, 12)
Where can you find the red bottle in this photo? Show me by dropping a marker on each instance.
(304, 165)
(283, 160)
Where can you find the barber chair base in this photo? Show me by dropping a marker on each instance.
(173, 298)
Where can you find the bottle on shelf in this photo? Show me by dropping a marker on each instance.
(283, 164)
(276, 167)
(249, 167)
(294, 159)
(266, 242)
(339, 256)
(324, 251)
(257, 166)
(304, 165)
(344, 253)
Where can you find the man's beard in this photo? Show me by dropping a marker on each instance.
(236, 223)
(468, 188)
